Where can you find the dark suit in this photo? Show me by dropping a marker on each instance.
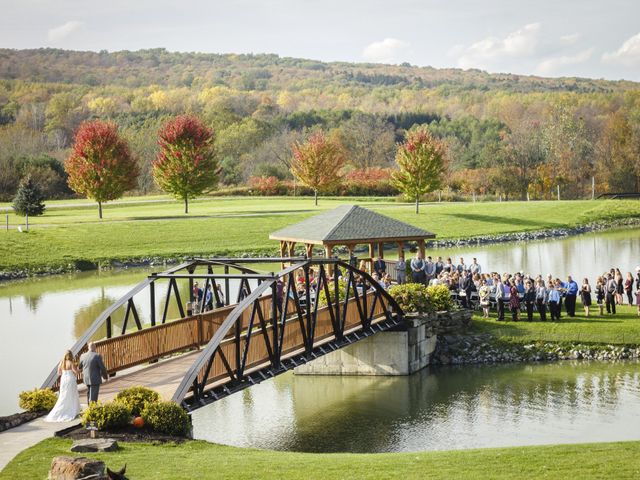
(380, 267)
(93, 371)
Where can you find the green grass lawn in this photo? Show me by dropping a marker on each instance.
(209, 461)
(234, 225)
(622, 328)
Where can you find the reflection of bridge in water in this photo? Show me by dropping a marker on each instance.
(270, 329)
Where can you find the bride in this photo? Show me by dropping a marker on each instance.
(67, 407)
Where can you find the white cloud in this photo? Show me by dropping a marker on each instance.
(552, 65)
(520, 43)
(628, 54)
(59, 33)
(570, 38)
(389, 50)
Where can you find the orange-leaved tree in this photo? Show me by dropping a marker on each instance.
(186, 165)
(100, 166)
(421, 164)
(317, 162)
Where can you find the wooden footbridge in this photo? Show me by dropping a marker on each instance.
(273, 326)
(277, 321)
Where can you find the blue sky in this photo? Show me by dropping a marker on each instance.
(599, 39)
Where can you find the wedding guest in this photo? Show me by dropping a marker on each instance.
(541, 300)
(529, 299)
(638, 300)
(449, 267)
(483, 294)
(461, 266)
(439, 266)
(619, 287)
(514, 303)
(475, 267)
(401, 270)
(380, 267)
(499, 297)
(554, 302)
(585, 296)
(600, 294)
(571, 289)
(628, 287)
(610, 292)
(429, 270)
(417, 268)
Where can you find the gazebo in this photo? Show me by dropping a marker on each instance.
(349, 225)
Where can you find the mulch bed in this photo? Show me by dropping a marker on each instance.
(127, 434)
(18, 419)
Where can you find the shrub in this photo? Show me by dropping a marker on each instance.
(37, 400)
(167, 417)
(342, 292)
(107, 416)
(412, 297)
(136, 398)
(440, 298)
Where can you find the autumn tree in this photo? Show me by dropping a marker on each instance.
(186, 165)
(421, 164)
(618, 165)
(101, 166)
(317, 162)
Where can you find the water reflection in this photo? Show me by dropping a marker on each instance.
(448, 408)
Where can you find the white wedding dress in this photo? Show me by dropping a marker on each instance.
(67, 407)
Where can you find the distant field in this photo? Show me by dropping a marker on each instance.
(157, 226)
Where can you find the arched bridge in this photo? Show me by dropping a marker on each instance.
(275, 324)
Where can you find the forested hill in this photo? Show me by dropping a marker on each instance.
(263, 72)
(508, 134)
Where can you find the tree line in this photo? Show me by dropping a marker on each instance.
(505, 134)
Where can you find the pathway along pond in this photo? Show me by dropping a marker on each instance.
(41, 317)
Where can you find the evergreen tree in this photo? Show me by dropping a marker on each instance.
(29, 199)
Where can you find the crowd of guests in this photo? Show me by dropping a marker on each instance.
(205, 299)
(520, 293)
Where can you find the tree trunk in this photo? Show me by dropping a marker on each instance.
(186, 205)
(315, 197)
(417, 204)
(100, 210)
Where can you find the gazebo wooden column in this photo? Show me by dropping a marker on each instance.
(328, 253)
(308, 247)
(381, 250)
(400, 249)
(421, 246)
(371, 255)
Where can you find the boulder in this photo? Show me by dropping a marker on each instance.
(73, 468)
(95, 445)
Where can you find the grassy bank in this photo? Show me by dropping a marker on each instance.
(620, 329)
(209, 461)
(70, 232)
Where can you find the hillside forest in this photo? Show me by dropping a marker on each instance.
(508, 135)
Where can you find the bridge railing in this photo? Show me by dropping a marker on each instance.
(287, 328)
(151, 343)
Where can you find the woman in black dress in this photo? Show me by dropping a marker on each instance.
(585, 296)
(600, 294)
(619, 287)
(514, 302)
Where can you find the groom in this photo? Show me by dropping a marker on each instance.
(93, 371)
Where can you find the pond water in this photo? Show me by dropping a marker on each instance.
(436, 409)
(40, 318)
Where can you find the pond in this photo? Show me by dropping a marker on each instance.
(436, 409)
(41, 317)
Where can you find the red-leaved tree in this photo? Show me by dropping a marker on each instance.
(317, 162)
(100, 166)
(186, 165)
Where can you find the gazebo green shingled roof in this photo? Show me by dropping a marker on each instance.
(347, 224)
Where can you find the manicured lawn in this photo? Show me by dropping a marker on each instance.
(622, 328)
(209, 461)
(235, 225)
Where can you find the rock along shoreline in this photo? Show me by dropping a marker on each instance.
(86, 265)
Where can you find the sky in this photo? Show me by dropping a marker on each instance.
(586, 38)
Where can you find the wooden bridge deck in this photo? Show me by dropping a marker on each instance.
(163, 377)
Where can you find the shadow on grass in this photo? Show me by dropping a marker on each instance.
(519, 222)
